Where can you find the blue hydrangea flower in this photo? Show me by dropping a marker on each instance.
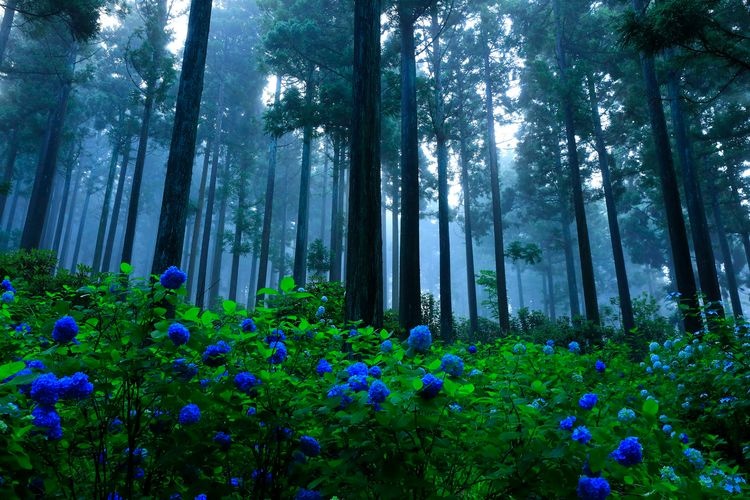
(375, 372)
(654, 357)
(279, 353)
(386, 346)
(223, 439)
(246, 382)
(420, 339)
(550, 343)
(566, 424)
(593, 488)
(357, 383)
(304, 494)
(519, 349)
(548, 350)
(323, 367)
(683, 438)
(452, 365)
(178, 334)
(8, 297)
(324, 299)
(653, 346)
(587, 401)
(172, 278)
(77, 386)
(7, 286)
(35, 364)
(600, 366)
(358, 369)
(574, 347)
(215, 354)
(320, 312)
(189, 414)
(23, 328)
(248, 325)
(706, 481)
(235, 482)
(695, 458)
(45, 389)
(668, 474)
(378, 392)
(65, 330)
(251, 411)
(431, 386)
(47, 417)
(309, 446)
(731, 484)
(184, 370)
(581, 434)
(341, 392)
(667, 429)
(629, 452)
(276, 335)
(472, 349)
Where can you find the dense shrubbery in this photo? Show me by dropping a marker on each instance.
(103, 394)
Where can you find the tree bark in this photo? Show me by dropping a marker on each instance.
(570, 267)
(239, 224)
(364, 260)
(410, 310)
(114, 220)
(5, 27)
(43, 181)
(96, 265)
(551, 289)
(81, 227)
(215, 285)
(726, 257)
(395, 273)
(265, 236)
(65, 244)
(303, 216)
(64, 202)
(469, 242)
(10, 163)
(176, 195)
(623, 288)
(675, 223)
(337, 196)
(198, 218)
(591, 303)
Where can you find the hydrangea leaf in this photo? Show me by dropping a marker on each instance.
(650, 408)
(286, 284)
(9, 369)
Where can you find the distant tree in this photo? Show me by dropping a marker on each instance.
(522, 253)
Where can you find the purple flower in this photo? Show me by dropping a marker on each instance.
(172, 278)
(178, 334)
(65, 330)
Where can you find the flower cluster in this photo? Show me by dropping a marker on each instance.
(248, 325)
(452, 365)
(420, 339)
(695, 458)
(309, 446)
(629, 452)
(378, 392)
(189, 414)
(431, 386)
(593, 488)
(246, 382)
(566, 424)
(323, 367)
(600, 366)
(581, 434)
(178, 334)
(574, 347)
(65, 330)
(215, 354)
(172, 278)
(587, 401)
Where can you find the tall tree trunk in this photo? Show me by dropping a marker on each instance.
(253, 279)
(201, 290)
(337, 196)
(570, 268)
(591, 303)
(324, 202)
(5, 238)
(364, 260)
(410, 294)
(114, 220)
(395, 273)
(303, 215)
(135, 189)
(551, 288)
(10, 163)
(65, 244)
(96, 265)
(265, 235)
(519, 283)
(5, 27)
(623, 289)
(704, 253)
(283, 226)
(81, 227)
(64, 202)
(441, 139)
(194, 248)
(726, 255)
(468, 238)
(176, 196)
(497, 215)
(675, 223)
(239, 224)
(384, 232)
(45, 174)
(214, 288)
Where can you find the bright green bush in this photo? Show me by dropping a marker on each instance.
(271, 419)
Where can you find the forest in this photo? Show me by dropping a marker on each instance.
(374, 248)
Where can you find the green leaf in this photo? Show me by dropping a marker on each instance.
(434, 365)
(537, 386)
(466, 389)
(126, 268)
(9, 369)
(191, 314)
(287, 284)
(267, 291)
(650, 408)
(229, 306)
(628, 480)
(416, 384)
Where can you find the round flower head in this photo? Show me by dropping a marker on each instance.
(593, 488)
(574, 347)
(189, 414)
(431, 386)
(667, 473)
(472, 349)
(550, 343)
(246, 382)
(386, 346)
(223, 439)
(7, 286)
(320, 312)
(683, 438)
(323, 367)
(172, 278)
(341, 392)
(629, 452)
(566, 424)
(215, 354)
(581, 434)
(653, 346)
(304, 494)
(248, 325)
(667, 429)
(77, 386)
(600, 366)
(452, 365)
(65, 330)
(626, 415)
(324, 299)
(695, 458)
(184, 370)
(375, 372)
(357, 368)
(45, 389)
(178, 334)
(8, 297)
(378, 392)
(309, 446)
(46, 417)
(420, 339)
(279, 353)
(357, 383)
(276, 335)
(23, 328)
(587, 401)
(548, 350)
(519, 349)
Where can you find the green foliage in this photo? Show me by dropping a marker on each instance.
(318, 260)
(529, 253)
(492, 431)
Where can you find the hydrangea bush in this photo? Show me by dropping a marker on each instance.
(126, 391)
